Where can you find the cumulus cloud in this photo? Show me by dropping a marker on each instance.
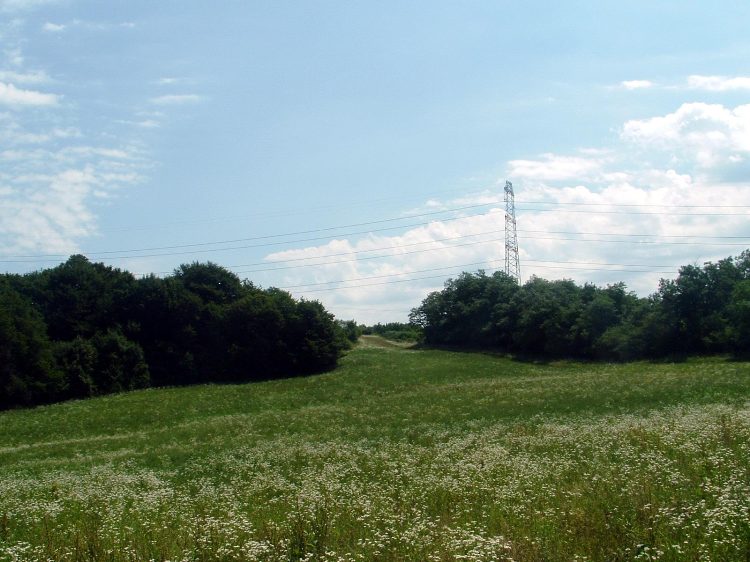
(700, 133)
(600, 215)
(553, 167)
(17, 97)
(381, 270)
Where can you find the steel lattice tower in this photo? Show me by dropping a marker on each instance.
(512, 263)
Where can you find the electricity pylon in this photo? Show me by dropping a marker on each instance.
(512, 263)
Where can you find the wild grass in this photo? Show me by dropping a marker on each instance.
(397, 455)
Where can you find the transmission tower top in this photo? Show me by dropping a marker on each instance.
(512, 263)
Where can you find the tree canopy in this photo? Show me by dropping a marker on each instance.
(84, 329)
(706, 309)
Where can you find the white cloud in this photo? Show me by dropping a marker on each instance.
(12, 133)
(636, 84)
(14, 56)
(33, 77)
(143, 124)
(706, 135)
(53, 177)
(22, 5)
(380, 270)
(601, 215)
(116, 153)
(53, 27)
(49, 216)
(176, 99)
(718, 83)
(16, 97)
(53, 211)
(712, 83)
(553, 167)
(48, 195)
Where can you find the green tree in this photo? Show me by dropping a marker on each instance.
(106, 363)
(469, 311)
(77, 360)
(170, 320)
(28, 374)
(210, 282)
(313, 340)
(548, 312)
(253, 337)
(120, 364)
(80, 298)
(738, 312)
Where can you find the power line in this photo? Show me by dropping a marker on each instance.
(563, 267)
(357, 252)
(32, 258)
(492, 269)
(376, 257)
(649, 242)
(306, 210)
(663, 205)
(740, 244)
(389, 275)
(585, 240)
(411, 252)
(552, 238)
(288, 212)
(271, 236)
(599, 212)
(637, 235)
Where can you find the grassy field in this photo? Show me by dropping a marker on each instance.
(397, 455)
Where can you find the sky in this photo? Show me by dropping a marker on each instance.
(355, 152)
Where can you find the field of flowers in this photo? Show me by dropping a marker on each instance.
(397, 455)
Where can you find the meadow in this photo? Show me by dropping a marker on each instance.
(399, 454)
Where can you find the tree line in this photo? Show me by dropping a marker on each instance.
(83, 329)
(706, 309)
(396, 331)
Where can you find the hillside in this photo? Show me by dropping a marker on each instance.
(396, 455)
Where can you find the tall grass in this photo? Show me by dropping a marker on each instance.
(397, 455)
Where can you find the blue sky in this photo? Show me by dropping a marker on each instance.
(247, 133)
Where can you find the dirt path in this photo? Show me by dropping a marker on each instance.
(378, 341)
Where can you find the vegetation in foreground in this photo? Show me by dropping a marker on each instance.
(396, 455)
